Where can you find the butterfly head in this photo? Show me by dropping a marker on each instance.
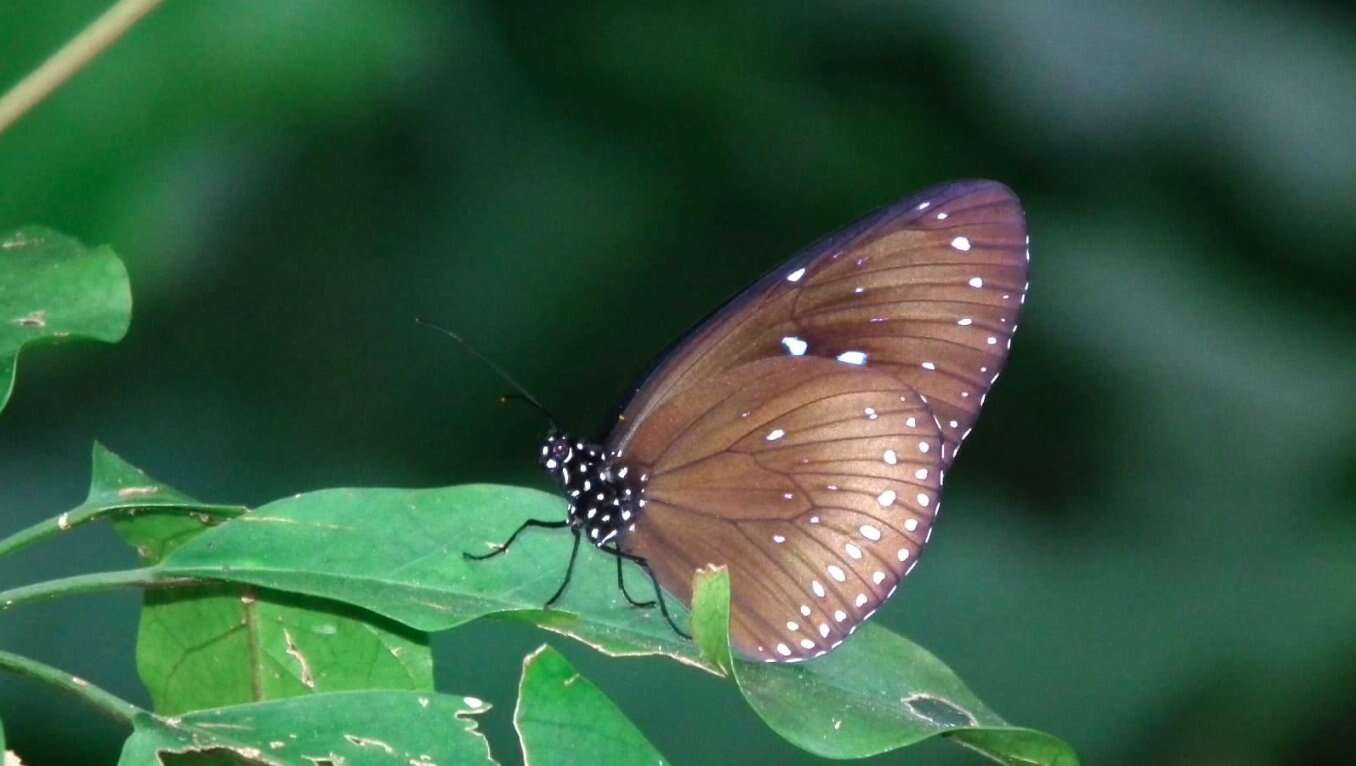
(571, 461)
(558, 454)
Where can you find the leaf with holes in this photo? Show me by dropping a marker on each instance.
(53, 288)
(352, 728)
(225, 644)
(876, 693)
(399, 554)
(561, 714)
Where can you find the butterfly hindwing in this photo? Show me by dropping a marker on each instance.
(815, 483)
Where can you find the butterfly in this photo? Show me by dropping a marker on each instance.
(800, 436)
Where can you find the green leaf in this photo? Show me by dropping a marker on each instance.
(152, 517)
(876, 693)
(399, 554)
(561, 715)
(221, 645)
(225, 644)
(52, 288)
(711, 617)
(120, 491)
(351, 728)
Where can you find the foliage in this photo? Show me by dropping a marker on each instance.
(214, 644)
(52, 288)
(399, 553)
(561, 715)
(358, 728)
(877, 693)
(266, 634)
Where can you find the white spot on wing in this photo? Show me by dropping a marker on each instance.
(775, 434)
(869, 532)
(853, 357)
(976, 282)
(961, 243)
(795, 275)
(886, 498)
(795, 346)
(836, 572)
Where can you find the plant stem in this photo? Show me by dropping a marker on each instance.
(117, 708)
(67, 521)
(145, 577)
(72, 57)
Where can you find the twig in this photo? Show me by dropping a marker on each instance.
(115, 707)
(71, 58)
(90, 583)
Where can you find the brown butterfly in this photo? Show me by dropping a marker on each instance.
(800, 435)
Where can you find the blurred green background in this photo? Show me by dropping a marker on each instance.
(1150, 537)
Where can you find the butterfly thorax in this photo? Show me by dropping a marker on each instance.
(605, 494)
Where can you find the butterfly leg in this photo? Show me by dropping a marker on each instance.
(504, 546)
(569, 571)
(659, 594)
(621, 583)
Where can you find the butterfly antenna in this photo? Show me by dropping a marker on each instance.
(521, 394)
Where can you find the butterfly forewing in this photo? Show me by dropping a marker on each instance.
(929, 288)
(800, 435)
